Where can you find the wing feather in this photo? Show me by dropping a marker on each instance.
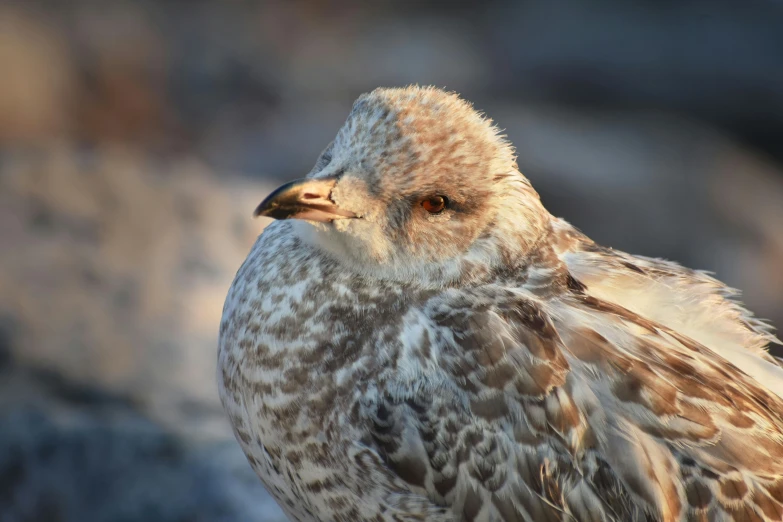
(575, 408)
(688, 301)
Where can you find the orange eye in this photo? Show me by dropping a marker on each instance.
(434, 204)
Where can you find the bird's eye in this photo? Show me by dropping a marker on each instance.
(435, 204)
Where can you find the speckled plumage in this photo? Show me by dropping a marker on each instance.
(490, 362)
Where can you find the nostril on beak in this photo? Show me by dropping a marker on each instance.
(310, 195)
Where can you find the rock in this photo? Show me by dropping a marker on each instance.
(111, 299)
(74, 453)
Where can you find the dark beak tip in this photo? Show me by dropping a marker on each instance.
(267, 212)
(259, 211)
(266, 207)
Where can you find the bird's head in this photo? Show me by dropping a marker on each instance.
(416, 185)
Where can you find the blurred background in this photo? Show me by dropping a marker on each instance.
(136, 137)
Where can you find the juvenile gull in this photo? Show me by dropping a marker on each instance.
(417, 339)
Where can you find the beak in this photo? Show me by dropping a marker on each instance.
(303, 199)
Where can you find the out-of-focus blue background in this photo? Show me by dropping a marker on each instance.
(136, 137)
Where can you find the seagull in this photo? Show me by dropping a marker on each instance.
(415, 338)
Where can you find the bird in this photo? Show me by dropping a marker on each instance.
(414, 337)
